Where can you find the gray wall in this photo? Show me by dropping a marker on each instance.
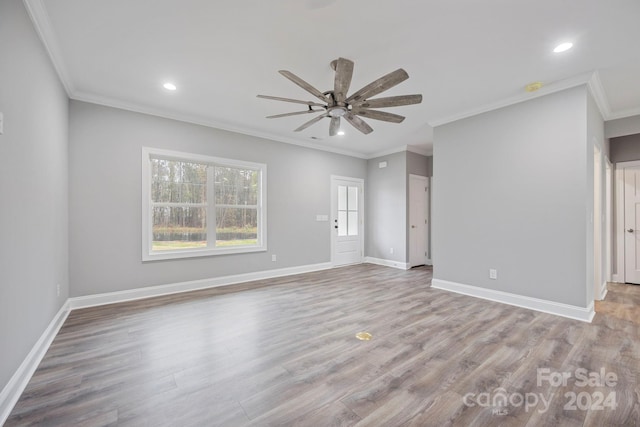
(622, 127)
(625, 148)
(417, 164)
(33, 189)
(386, 214)
(105, 199)
(595, 138)
(511, 194)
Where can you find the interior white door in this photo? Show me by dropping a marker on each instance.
(347, 220)
(418, 220)
(632, 225)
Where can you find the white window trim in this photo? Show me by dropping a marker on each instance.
(149, 255)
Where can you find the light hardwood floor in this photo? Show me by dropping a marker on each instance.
(284, 352)
(622, 301)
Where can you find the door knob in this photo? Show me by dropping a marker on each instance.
(631, 230)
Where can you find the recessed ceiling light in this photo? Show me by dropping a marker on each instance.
(563, 47)
(169, 86)
(340, 132)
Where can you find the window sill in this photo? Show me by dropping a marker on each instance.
(195, 253)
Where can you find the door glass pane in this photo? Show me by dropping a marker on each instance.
(353, 199)
(353, 223)
(179, 228)
(342, 223)
(342, 197)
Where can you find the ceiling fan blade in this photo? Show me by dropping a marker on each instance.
(344, 73)
(312, 121)
(335, 126)
(378, 115)
(277, 116)
(358, 123)
(391, 101)
(304, 85)
(383, 83)
(297, 101)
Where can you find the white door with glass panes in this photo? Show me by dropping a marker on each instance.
(347, 222)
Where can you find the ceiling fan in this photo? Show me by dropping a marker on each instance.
(336, 103)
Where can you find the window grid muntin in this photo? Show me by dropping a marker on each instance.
(348, 211)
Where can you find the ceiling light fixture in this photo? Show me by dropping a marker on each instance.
(340, 132)
(562, 47)
(169, 86)
(337, 105)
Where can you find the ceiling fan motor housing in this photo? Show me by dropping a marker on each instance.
(337, 111)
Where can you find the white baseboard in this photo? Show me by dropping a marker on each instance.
(603, 291)
(584, 314)
(387, 263)
(617, 278)
(16, 385)
(174, 288)
(12, 391)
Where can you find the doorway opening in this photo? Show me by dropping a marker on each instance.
(419, 195)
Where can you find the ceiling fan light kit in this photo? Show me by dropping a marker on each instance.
(336, 104)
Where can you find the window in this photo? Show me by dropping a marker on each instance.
(194, 205)
(347, 210)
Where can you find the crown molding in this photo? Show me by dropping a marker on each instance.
(394, 150)
(401, 149)
(420, 150)
(623, 114)
(597, 91)
(42, 24)
(545, 90)
(114, 103)
(600, 96)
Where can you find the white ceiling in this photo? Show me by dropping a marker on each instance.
(463, 56)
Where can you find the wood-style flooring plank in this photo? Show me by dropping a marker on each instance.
(283, 352)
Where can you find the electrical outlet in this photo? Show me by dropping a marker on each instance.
(493, 274)
(391, 251)
(274, 257)
(58, 289)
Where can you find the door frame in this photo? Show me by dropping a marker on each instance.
(608, 232)
(619, 275)
(334, 208)
(597, 224)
